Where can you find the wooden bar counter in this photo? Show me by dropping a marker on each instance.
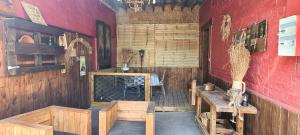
(216, 101)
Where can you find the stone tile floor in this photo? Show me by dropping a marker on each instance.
(166, 123)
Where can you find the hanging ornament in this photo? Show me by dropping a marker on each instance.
(226, 27)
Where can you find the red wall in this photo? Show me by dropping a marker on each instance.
(270, 76)
(76, 15)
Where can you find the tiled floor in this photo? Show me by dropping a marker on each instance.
(166, 123)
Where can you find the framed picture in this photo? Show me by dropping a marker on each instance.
(262, 36)
(236, 37)
(82, 66)
(103, 45)
(254, 37)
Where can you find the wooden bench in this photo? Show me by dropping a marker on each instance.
(48, 121)
(128, 111)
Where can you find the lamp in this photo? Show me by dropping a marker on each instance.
(142, 54)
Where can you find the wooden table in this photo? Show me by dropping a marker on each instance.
(217, 103)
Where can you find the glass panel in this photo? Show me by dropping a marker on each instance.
(108, 88)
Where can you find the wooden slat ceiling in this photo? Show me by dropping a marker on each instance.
(184, 3)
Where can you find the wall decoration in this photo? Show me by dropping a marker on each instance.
(7, 7)
(226, 27)
(83, 42)
(34, 13)
(71, 52)
(103, 45)
(82, 66)
(168, 14)
(254, 37)
(262, 38)
(62, 40)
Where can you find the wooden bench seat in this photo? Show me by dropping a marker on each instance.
(48, 121)
(127, 111)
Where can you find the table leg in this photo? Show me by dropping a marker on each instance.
(199, 106)
(213, 121)
(240, 124)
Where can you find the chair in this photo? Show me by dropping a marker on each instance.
(131, 111)
(132, 82)
(160, 84)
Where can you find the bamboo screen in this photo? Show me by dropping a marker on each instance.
(165, 45)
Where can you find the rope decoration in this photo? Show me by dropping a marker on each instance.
(70, 54)
(85, 43)
(226, 27)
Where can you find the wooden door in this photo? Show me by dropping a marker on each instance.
(79, 84)
(205, 50)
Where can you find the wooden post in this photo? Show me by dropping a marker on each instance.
(194, 90)
(213, 121)
(147, 87)
(150, 124)
(91, 81)
(240, 124)
(150, 119)
(103, 124)
(199, 106)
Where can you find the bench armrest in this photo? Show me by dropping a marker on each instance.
(17, 127)
(107, 117)
(150, 119)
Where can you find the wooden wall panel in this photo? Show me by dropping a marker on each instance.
(136, 37)
(165, 45)
(176, 79)
(23, 93)
(177, 45)
(271, 119)
(157, 15)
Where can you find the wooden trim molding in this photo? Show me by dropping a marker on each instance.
(225, 85)
(91, 82)
(108, 6)
(276, 102)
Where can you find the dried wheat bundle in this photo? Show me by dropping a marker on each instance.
(128, 55)
(239, 61)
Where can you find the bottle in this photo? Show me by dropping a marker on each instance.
(50, 42)
(245, 100)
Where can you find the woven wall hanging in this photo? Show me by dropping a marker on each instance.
(226, 27)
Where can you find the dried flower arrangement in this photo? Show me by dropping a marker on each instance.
(239, 62)
(127, 55)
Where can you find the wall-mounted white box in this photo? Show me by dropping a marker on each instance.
(289, 36)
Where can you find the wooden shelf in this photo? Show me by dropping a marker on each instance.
(23, 70)
(30, 26)
(31, 47)
(37, 49)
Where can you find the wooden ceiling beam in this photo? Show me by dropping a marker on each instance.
(114, 4)
(190, 3)
(108, 5)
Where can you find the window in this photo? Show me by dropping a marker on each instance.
(103, 45)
